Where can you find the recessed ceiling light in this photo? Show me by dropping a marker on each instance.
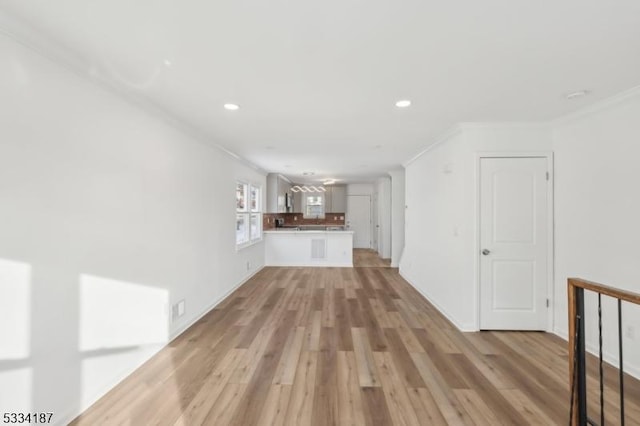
(167, 63)
(404, 103)
(231, 107)
(578, 94)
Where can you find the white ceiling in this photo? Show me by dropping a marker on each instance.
(317, 80)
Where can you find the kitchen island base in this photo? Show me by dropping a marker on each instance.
(309, 248)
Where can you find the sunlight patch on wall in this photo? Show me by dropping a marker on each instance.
(15, 309)
(15, 390)
(119, 314)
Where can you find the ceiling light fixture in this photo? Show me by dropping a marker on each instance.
(329, 182)
(310, 188)
(404, 103)
(167, 63)
(577, 94)
(231, 107)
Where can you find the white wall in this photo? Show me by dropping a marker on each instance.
(397, 215)
(360, 189)
(107, 214)
(439, 257)
(383, 190)
(597, 215)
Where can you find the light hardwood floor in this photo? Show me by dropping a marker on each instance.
(369, 258)
(346, 346)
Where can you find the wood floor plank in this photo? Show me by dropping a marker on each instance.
(425, 407)
(395, 393)
(350, 408)
(376, 412)
(225, 406)
(477, 409)
(254, 397)
(349, 346)
(403, 363)
(275, 407)
(312, 333)
(199, 407)
(302, 394)
(442, 394)
(533, 414)
(289, 362)
(367, 372)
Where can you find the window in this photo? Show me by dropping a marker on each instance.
(314, 206)
(248, 214)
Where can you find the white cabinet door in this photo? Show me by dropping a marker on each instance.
(513, 243)
(338, 199)
(328, 202)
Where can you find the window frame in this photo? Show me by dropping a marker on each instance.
(323, 204)
(248, 211)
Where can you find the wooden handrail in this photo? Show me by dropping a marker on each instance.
(572, 285)
(627, 296)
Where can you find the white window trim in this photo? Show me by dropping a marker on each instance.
(248, 214)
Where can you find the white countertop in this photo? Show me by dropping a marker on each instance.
(294, 231)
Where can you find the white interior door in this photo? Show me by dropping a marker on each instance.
(513, 243)
(358, 219)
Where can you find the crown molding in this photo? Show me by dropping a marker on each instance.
(453, 131)
(19, 32)
(598, 106)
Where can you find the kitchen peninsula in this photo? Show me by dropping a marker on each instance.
(295, 247)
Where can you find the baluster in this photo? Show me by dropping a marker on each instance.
(621, 367)
(600, 355)
(582, 364)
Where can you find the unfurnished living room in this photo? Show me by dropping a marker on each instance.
(319, 213)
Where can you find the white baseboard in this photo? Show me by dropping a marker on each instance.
(462, 327)
(213, 305)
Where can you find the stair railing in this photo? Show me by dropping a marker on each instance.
(577, 356)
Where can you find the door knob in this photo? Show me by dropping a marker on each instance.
(486, 252)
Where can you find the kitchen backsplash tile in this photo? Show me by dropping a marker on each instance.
(292, 219)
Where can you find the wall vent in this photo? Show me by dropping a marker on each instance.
(318, 249)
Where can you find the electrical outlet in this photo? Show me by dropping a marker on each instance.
(178, 310)
(341, 217)
(295, 218)
(630, 332)
(335, 218)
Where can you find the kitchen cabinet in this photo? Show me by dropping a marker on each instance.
(335, 199)
(297, 202)
(278, 192)
(338, 199)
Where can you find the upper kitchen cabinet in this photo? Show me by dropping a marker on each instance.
(278, 194)
(336, 199)
(297, 202)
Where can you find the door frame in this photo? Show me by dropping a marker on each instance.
(548, 155)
